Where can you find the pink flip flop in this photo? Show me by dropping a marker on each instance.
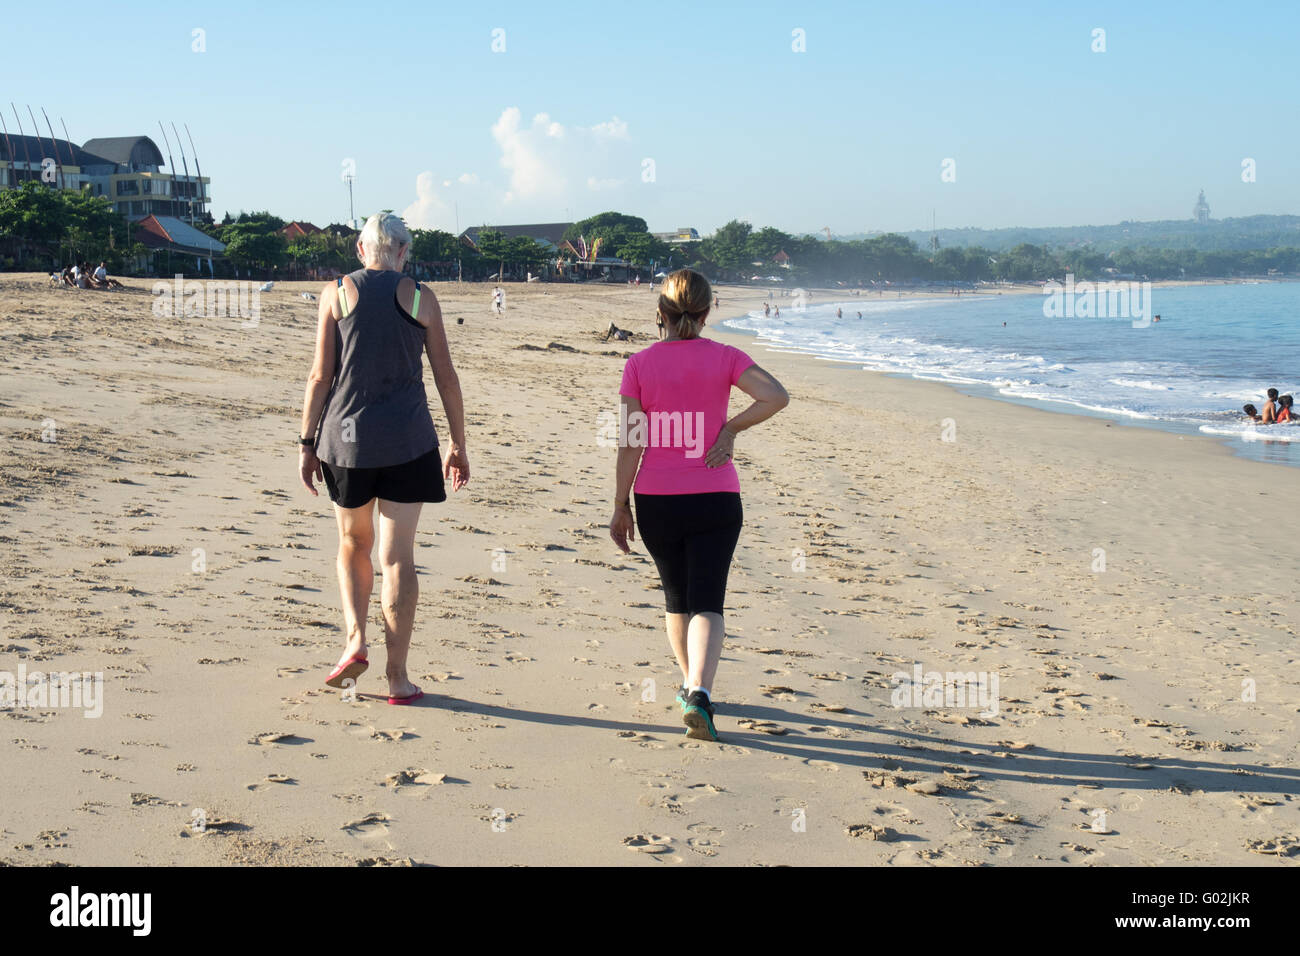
(397, 701)
(351, 669)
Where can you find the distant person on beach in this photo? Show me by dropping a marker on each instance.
(688, 500)
(67, 276)
(778, 312)
(839, 313)
(367, 433)
(767, 309)
(498, 300)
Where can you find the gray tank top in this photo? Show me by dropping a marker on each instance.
(376, 413)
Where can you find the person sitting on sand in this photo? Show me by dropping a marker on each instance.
(1269, 415)
(367, 433)
(621, 335)
(103, 281)
(1251, 412)
(68, 278)
(688, 500)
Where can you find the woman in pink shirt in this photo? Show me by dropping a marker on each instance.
(676, 442)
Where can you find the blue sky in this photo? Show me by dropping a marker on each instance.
(851, 133)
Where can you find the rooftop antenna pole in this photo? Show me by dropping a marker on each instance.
(352, 213)
(26, 155)
(36, 128)
(186, 166)
(171, 165)
(57, 157)
(198, 172)
(9, 149)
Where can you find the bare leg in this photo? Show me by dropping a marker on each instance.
(356, 573)
(704, 648)
(676, 624)
(401, 590)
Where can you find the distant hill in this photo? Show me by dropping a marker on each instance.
(1249, 232)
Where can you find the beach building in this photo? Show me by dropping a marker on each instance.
(298, 230)
(169, 234)
(550, 233)
(126, 170)
(679, 235)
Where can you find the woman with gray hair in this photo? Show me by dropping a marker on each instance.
(367, 433)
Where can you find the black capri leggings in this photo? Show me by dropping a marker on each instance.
(692, 539)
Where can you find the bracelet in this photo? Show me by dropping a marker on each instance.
(307, 442)
(624, 504)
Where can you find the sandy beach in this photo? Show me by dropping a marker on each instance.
(1132, 592)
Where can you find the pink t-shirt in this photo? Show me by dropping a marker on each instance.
(683, 386)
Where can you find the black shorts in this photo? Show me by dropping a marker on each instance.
(692, 539)
(417, 480)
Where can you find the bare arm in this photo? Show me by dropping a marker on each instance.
(769, 397)
(319, 381)
(444, 372)
(622, 528)
(321, 376)
(455, 462)
(629, 457)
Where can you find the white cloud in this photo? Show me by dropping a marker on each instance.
(429, 208)
(614, 129)
(545, 159)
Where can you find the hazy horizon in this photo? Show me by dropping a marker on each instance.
(692, 117)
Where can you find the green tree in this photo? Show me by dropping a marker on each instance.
(728, 247)
(641, 249)
(33, 214)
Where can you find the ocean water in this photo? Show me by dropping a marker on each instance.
(1215, 348)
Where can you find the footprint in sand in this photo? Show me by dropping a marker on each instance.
(649, 843)
(872, 831)
(370, 826)
(271, 778)
(763, 727)
(203, 823)
(412, 777)
(269, 738)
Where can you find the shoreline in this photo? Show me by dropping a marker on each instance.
(1288, 457)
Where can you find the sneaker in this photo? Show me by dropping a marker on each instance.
(697, 715)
